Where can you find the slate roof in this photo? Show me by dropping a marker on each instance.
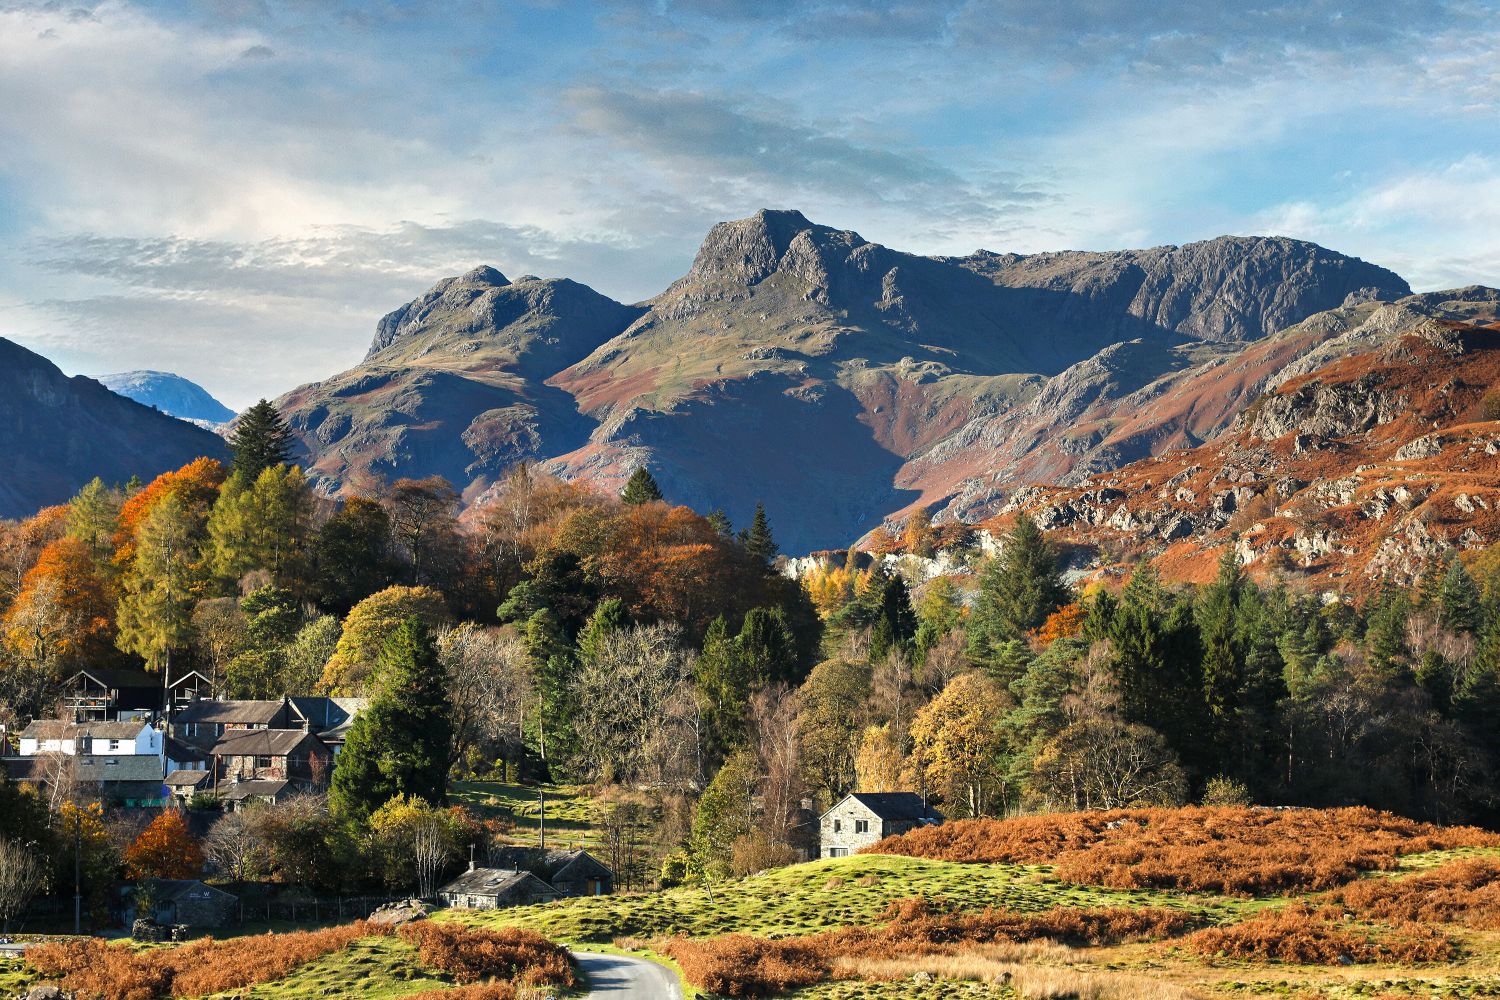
(259, 742)
(172, 889)
(62, 729)
(496, 882)
(545, 864)
(180, 751)
(330, 718)
(897, 806)
(235, 791)
(127, 767)
(240, 713)
(116, 678)
(187, 779)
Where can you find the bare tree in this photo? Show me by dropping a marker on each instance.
(58, 774)
(235, 848)
(22, 875)
(432, 847)
(773, 728)
(488, 686)
(623, 696)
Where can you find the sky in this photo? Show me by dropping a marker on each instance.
(237, 190)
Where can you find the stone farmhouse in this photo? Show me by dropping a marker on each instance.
(860, 819)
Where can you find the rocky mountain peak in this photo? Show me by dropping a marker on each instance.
(747, 251)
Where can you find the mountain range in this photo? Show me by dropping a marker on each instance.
(57, 433)
(839, 381)
(171, 394)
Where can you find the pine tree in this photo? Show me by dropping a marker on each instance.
(94, 517)
(161, 585)
(1458, 600)
(1017, 591)
(400, 744)
(609, 616)
(641, 488)
(723, 681)
(1223, 656)
(757, 538)
(768, 648)
(553, 670)
(261, 439)
(720, 522)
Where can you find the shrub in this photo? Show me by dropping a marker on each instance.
(1234, 851)
(1463, 892)
(1222, 791)
(1308, 936)
(474, 991)
(739, 965)
(95, 970)
(757, 852)
(474, 955)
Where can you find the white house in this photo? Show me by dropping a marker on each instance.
(129, 738)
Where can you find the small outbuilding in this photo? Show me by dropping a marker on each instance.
(191, 903)
(496, 889)
(864, 818)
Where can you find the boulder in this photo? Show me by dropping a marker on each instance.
(400, 913)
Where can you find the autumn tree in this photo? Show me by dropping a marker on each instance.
(880, 765)
(64, 612)
(918, 537)
(370, 624)
(830, 724)
(263, 523)
(489, 689)
(94, 519)
(401, 743)
(958, 745)
(261, 440)
(353, 555)
(164, 581)
(641, 488)
(165, 849)
(726, 811)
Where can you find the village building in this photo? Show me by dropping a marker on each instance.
(183, 785)
(203, 722)
(496, 889)
(124, 738)
(292, 755)
(238, 795)
(127, 781)
(571, 873)
(101, 694)
(191, 903)
(328, 719)
(860, 819)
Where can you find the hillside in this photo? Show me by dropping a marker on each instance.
(171, 394)
(1372, 451)
(57, 433)
(833, 378)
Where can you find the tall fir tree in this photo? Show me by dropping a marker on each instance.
(609, 616)
(261, 440)
(768, 647)
(1223, 656)
(721, 523)
(641, 488)
(1017, 591)
(1459, 605)
(554, 669)
(723, 679)
(757, 538)
(400, 744)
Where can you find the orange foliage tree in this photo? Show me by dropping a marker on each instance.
(1064, 623)
(65, 609)
(165, 849)
(195, 485)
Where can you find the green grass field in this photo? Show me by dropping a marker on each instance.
(570, 814)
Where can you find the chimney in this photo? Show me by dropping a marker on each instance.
(471, 857)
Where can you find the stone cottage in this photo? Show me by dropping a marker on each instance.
(496, 889)
(571, 873)
(860, 819)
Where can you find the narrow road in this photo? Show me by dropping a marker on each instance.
(620, 977)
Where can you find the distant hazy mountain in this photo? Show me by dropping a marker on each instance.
(169, 393)
(57, 433)
(835, 379)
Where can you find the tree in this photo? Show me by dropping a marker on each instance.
(234, 848)
(260, 440)
(263, 523)
(23, 873)
(1223, 656)
(918, 537)
(775, 722)
(723, 680)
(957, 742)
(757, 538)
(725, 812)
(622, 691)
(165, 849)
(1458, 600)
(1104, 763)
(830, 725)
(768, 648)
(353, 555)
(554, 670)
(401, 743)
(641, 488)
(368, 627)
(719, 521)
(489, 687)
(1017, 590)
(880, 764)
(161, 587)
(304, 658)
(416, 841)
(609, 616)
(424, 524)
(94, 518)
(64, 612)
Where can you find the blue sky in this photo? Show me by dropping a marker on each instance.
(236, 190)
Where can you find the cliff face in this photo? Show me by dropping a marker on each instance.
(837, 380)
(57, 433)
(1361, 469)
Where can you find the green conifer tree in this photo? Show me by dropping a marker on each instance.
(609, 616)
(261, 439)
(641, 488)
(400, 744)
(1017, 591)
(1458, 600)
(757, 538)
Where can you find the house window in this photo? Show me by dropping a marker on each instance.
(838, 852)
(861, 826)
(262, 763)
(838, 826)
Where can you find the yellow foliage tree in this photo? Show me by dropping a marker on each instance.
(957, 741)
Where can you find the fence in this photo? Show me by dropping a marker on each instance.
(313, 911)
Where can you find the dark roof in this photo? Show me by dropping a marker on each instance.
(180, 751)
(237, 790)
(545, 864)
(496, 882)
(170, 889)
(187, 779)
(116, 678)
(260, 742)
(329, 718)
(62, 729)
(93, 769)
(896, 805)
(240, 713)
